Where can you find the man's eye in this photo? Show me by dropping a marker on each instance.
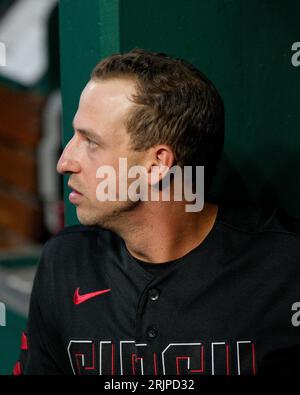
(92, 143)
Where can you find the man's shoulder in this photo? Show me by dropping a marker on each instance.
(74, 233)
(269, 238)
(259, 219)
(73, 239)
(77, 230)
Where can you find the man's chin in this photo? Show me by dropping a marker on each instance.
(90, 219)
(85, 218)
(109, 217)
(86, 222)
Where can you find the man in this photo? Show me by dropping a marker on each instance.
(145, 286)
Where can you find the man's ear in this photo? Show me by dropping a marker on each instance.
(161, 159)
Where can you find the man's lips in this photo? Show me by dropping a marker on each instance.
(73, 189)
(75, 196)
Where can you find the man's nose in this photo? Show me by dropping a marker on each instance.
(67, 163)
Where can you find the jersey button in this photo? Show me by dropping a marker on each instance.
(152, 333)
(153, 294)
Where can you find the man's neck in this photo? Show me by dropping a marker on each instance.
(166, 236)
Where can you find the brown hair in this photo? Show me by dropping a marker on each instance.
(175, 105)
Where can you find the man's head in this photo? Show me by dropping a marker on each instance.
(149, 108)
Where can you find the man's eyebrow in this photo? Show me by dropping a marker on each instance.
(89, 134)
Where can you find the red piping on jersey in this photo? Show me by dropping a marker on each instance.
(17, 369)
(227, 361)
(253, 359)
(155, 363)
(24, 343)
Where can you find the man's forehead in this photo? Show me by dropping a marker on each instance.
(111, 89)
(108, 101)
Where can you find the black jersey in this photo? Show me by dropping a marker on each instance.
(228, 307)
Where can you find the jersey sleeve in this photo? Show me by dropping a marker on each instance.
(39, 353)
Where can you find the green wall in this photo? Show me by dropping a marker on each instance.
(243, 47)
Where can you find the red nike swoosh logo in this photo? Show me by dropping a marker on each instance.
(83, 298)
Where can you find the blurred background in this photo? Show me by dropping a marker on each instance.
(31, 202)
(50, 47)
